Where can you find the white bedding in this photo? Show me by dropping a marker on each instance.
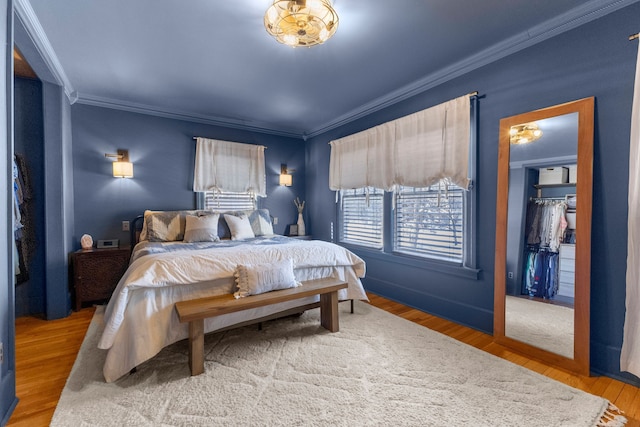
(140, 319)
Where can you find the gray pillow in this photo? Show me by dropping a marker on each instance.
(165, 226)
(203, 228)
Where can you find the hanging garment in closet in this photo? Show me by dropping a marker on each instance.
(541, 272)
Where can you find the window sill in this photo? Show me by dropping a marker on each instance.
(408, 260)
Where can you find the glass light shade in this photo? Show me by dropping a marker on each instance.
(301, 22)
(286, 179)
(524, 134)
(123, 170)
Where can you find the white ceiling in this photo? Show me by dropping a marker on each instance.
(212, 60)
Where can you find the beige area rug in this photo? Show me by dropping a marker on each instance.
(379, 370)
(540, 324)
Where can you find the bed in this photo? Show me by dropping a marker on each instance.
(166, 267)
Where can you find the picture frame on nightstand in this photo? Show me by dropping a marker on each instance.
(293, 230)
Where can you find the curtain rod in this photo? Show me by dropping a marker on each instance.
(196, 137)
(634, 36)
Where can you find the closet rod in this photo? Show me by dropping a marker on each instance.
(634, 36)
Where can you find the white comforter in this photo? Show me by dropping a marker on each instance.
(140, 319)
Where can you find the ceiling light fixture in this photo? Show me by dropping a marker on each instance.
(301, 22)
(525, 133)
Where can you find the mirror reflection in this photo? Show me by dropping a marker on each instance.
(541, 233)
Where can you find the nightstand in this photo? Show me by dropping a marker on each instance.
(306, 237)
(96, 272)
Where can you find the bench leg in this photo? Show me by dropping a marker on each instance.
(196, 346)
(329, 311)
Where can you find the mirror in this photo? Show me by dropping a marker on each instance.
(543, 234)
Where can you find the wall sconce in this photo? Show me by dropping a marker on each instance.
(285, 177)
(122, 167)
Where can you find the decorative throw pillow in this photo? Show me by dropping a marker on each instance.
(240, 226)
(165, 226)
(223, 227)
(260, 220)
(254, 279)
(203, 228)
(143, 233)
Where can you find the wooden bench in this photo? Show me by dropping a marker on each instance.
(196, 310)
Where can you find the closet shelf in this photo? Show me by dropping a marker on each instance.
(539, 187)
(565, 184)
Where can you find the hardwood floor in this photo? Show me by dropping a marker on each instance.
(46, 350)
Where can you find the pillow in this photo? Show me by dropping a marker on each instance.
(254, 279)
(143, 232)
(260, 220)
(164, 226)
(223, 227)
(239, 226)
(202, 228)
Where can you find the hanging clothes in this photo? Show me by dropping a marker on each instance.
(24, 239)
(545, 228)
(546, 223)
(541, 272)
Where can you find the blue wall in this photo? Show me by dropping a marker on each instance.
(29, 143)
(58, 197)
(163, 153)
(593, 60)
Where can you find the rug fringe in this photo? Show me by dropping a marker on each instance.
(612, 417)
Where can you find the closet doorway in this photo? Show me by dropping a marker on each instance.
(29, 190)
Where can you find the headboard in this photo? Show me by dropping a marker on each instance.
(136, 229)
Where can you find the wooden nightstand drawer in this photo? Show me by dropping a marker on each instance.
(96, 273)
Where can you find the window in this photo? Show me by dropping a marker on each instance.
(429, 221)
(224, 201)
(361, 217)
(435, 222)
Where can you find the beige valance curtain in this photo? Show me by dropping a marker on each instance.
(416, 150)
(229, 166)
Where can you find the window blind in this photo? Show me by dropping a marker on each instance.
(362, 217)
(429, 222)
(227, 201)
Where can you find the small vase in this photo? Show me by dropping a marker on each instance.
(301, 230)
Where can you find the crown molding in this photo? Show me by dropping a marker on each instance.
(133, 107)
(29, 20)
(583, 14)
